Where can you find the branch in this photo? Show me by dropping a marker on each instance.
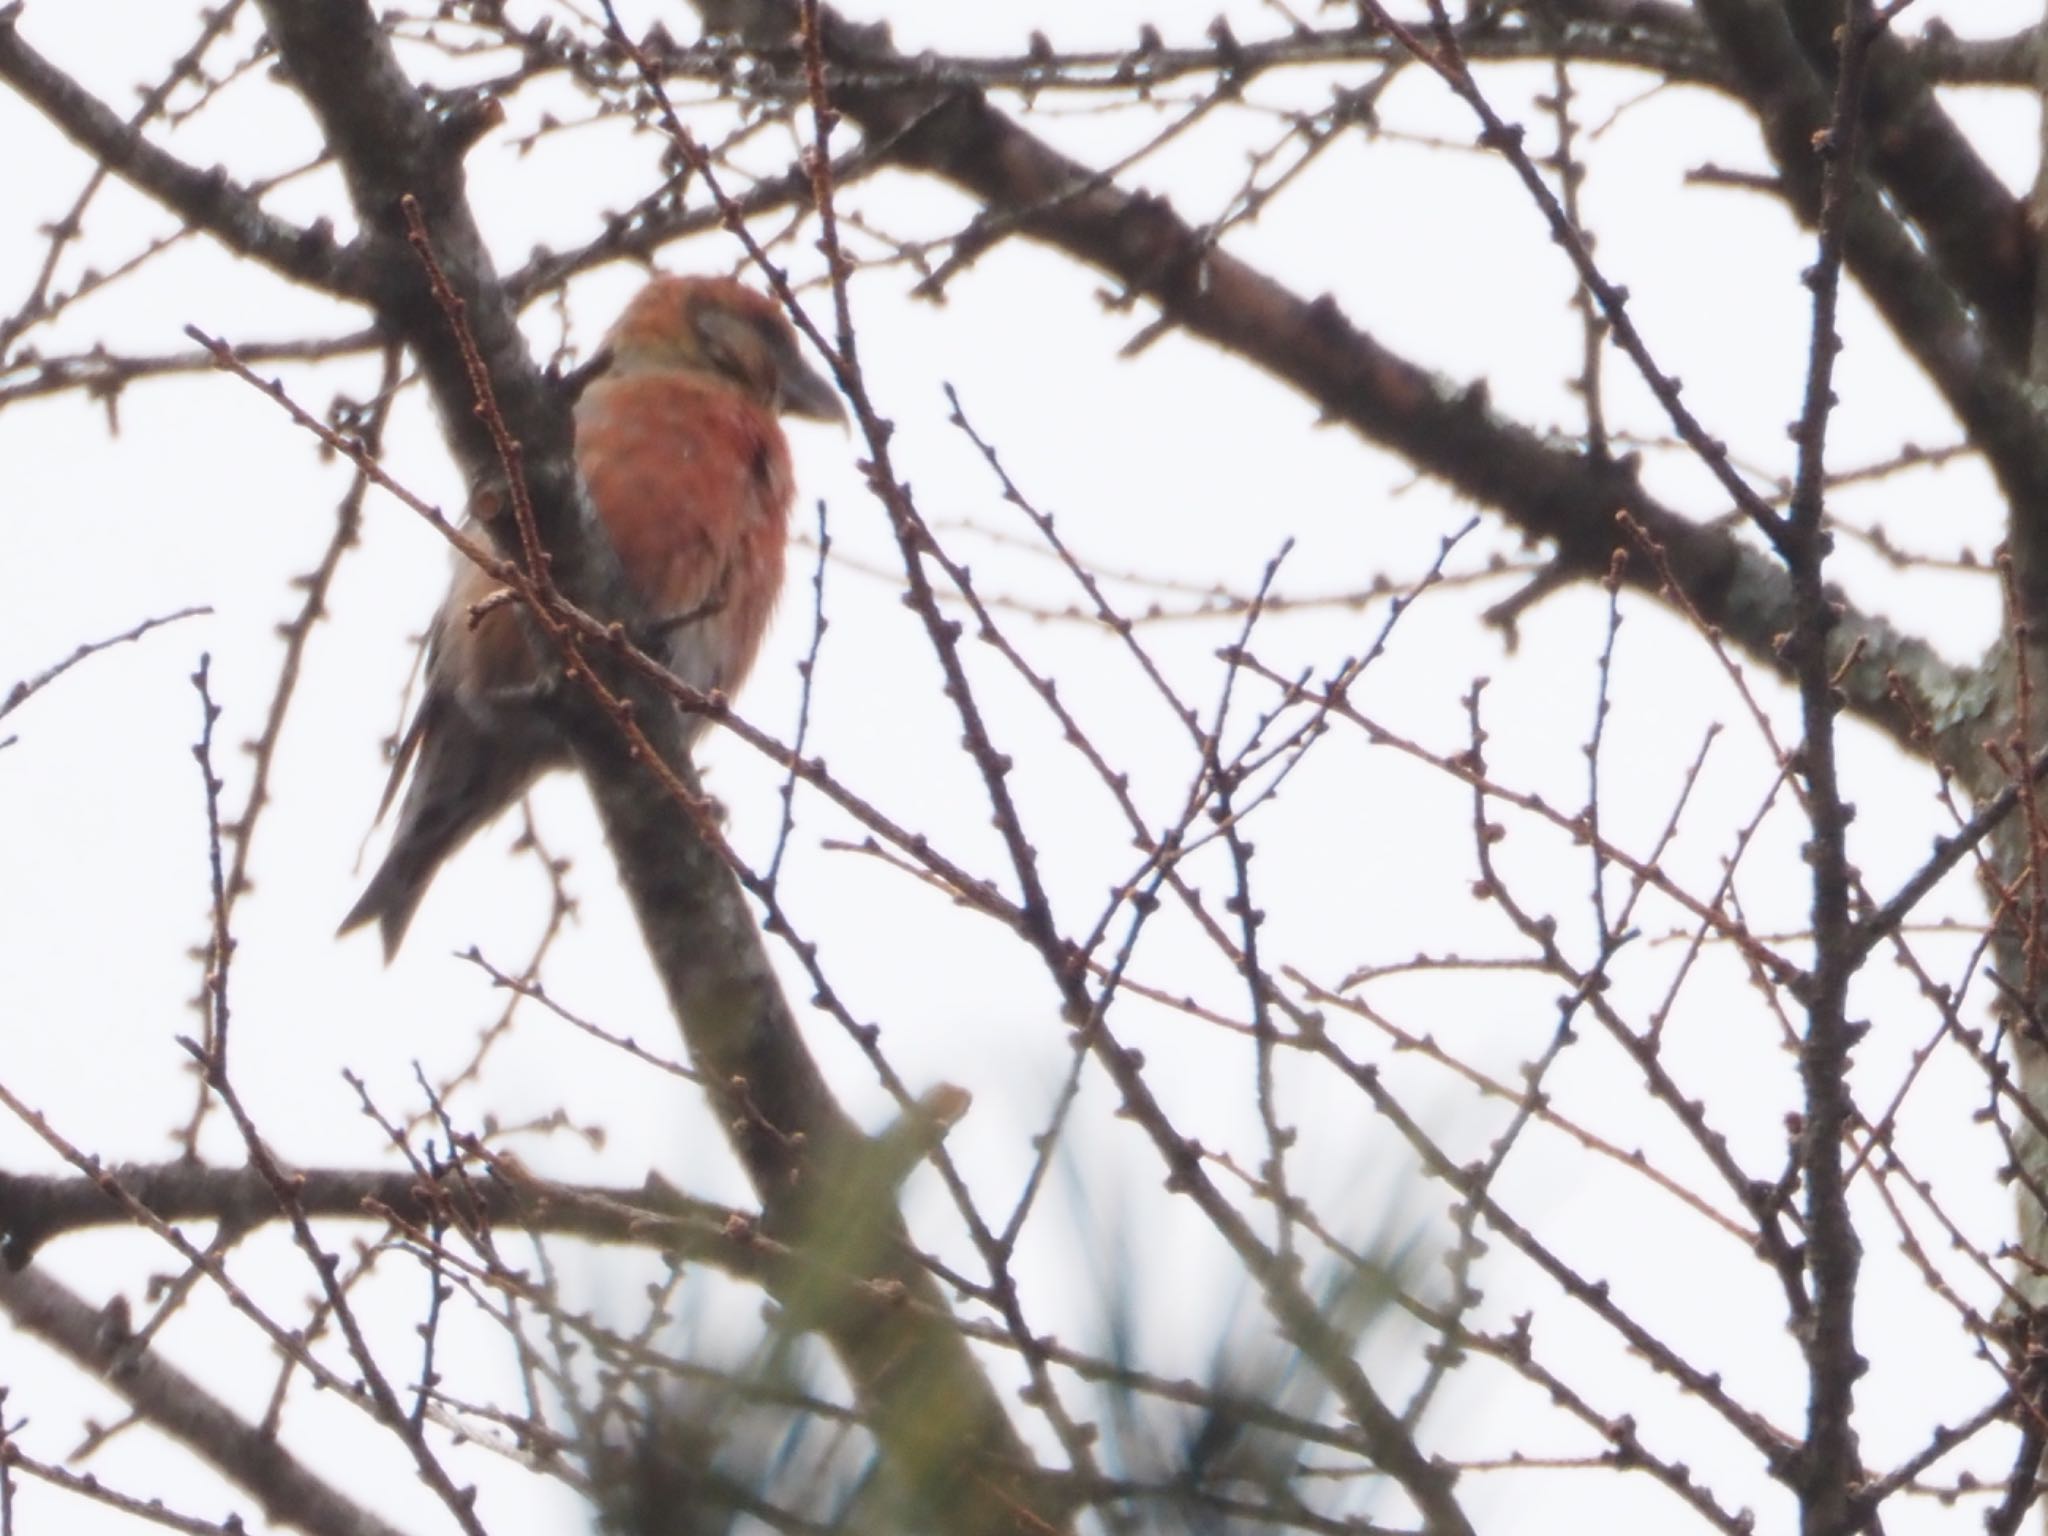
(1949, 851)
(1830, 1465)
(1975, 227)
(1663, 39)
(181, 1408)
(34, 1208)
(940, 1421)
(20, 693)
(1956, 60)
(1540, 484)
(103, 375)
(1994, 401)
(208, 199)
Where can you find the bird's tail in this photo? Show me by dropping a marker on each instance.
(465, 775)
(395, 891)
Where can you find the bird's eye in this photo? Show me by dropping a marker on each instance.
(735, 346)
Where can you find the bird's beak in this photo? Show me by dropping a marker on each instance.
(807, 392)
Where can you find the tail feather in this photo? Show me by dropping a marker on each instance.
(465, 775)
(394, 893)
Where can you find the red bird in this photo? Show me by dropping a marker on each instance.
(687, 466)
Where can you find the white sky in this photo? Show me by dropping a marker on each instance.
(1179, 463)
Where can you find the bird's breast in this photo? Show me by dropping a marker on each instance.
(694, 485)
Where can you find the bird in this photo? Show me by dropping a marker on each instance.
(679, 441)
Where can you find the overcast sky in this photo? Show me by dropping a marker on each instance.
(1178, 463)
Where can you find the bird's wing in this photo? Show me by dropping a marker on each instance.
(480, 659)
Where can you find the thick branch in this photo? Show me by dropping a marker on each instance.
(35, 1208)
(1542, 485)
(1831, 1466)
(244, 1453)
(1938, 51)
(1674, 47)
(391, 147)
(1993, 400)
(1975, 227)
(941, 1422)
(207, 199)
(1956, 60)
(1661, 38)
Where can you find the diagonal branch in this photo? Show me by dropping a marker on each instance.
(939, 1419)
(206, 199)
(175, 1404)
(35, 1208)
(1542, 485)
(1991, 397)
(1975, 227)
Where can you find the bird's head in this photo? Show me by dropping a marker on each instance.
(724, 329)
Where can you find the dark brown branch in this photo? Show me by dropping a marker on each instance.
(1978, 60)
(1975, 227)
(178, 1406)
(1949, 851)
(1830, 1464)
(1506, 140)
(206, 199)
(1955, 347)
(389, 147)
(1680, 51)
(1540, 484)
(939, 1419)
(71, 224)
(1663, 39)
(35, 1208)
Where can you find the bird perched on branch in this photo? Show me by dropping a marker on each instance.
(678, 441)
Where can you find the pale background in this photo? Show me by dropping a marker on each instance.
(1179, 464)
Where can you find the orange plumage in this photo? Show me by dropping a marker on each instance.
(690, 474)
